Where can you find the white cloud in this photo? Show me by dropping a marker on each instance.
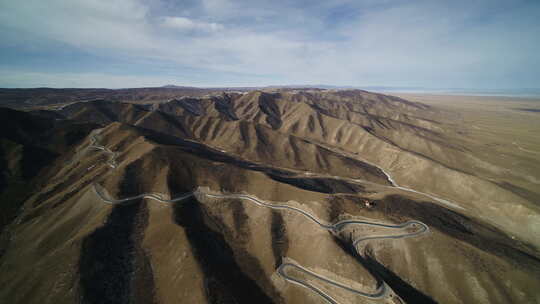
(92, 24)
(408, 43)
(186, 24)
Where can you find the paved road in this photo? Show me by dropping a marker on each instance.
(93, 145)
(395, 185)
(380, 293)
(382, 290)
(336, 227)
(390, 180)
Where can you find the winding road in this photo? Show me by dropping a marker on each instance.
(395, 185)
(93, 145)
(382, 290)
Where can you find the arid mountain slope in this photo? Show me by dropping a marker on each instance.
(28, 144)
(308, 130)
(49, 97)
(290, 196)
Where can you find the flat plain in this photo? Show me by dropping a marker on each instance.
(502, 130)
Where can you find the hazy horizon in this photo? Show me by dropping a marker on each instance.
(504, 92)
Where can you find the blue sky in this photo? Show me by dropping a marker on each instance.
(487, 44)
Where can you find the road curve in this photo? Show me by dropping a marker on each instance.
(336, 227)
(394, 184)
(93, 145)
(382, 290)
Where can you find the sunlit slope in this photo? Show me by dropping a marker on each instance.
(69, 244)
(338, 133)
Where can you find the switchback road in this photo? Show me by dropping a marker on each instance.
(382, 290)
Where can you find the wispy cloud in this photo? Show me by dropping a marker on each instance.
(186, 24)
(419, 43)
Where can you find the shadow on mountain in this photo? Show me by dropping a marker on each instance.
(323, 185)
(113, 266)
(403, 289)
(481, 235)
(280, 241)
(224, 280)
(406, 291)
(29, 144)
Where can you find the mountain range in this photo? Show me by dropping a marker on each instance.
(275, 195)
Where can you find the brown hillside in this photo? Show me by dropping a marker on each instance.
(250, 198)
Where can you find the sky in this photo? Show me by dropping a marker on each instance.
(479, 44)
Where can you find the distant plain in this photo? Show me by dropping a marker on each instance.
(503, 130)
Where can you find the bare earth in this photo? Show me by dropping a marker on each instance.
(105, 202)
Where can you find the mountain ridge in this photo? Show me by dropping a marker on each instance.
(338, 156)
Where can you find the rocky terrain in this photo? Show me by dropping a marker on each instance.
(266, 196)
(51, 97)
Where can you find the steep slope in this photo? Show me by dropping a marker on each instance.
(277, 196)
(437, 165)
(27, 145)
(353, 134)
(102, 111)
(214, 248)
